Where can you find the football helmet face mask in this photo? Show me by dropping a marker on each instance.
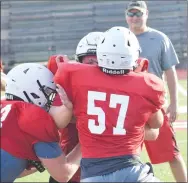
(117, 51)
(31, 83)
(88, 45)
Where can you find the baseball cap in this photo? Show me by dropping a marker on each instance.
(139, 5)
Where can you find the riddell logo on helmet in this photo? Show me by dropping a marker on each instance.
(115, 72)
(9, 96)
(91, 51)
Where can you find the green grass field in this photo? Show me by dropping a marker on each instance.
(182, 100)
(162, 171)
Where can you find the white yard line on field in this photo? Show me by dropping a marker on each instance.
(182, 124)
(182, 90)
(182, 141)
(182, 109)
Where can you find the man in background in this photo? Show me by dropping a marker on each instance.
(158, 49)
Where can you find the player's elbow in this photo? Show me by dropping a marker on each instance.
(65, 176)
(62, 179)
(61, 115)
(153, 137)
(156, 120)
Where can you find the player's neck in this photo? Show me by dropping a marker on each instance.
(138, 31)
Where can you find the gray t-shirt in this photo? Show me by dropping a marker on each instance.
(158, 49)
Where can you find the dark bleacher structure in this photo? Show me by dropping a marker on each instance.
(33, 30)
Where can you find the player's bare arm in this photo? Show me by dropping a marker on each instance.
(153, 125)
(63, 167)
(62, 114)
(156, 120)
(151, 133)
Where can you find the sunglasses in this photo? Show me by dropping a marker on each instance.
(132, 14)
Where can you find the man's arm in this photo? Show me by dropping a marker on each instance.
(171, 77)
(168, 61)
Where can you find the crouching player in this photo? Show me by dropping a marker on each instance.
(28, 132)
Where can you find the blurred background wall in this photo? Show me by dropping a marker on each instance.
(33, 30)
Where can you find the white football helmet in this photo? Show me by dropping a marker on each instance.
(118, 50)
(31, 83)
(88, 45)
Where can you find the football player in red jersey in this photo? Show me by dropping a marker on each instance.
(112, 108)
(85, 53)
(28, 132)
(68, 135)
(158, 150)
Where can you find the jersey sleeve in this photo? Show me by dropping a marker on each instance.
(155, 92)
(168, 56)
(51, 65)
(63, 78)
(48, 150)
(36, 122)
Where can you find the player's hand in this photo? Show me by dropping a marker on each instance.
(61, 58)
(64, 98)
(172, 112)
(58, 59)
(142, 65)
